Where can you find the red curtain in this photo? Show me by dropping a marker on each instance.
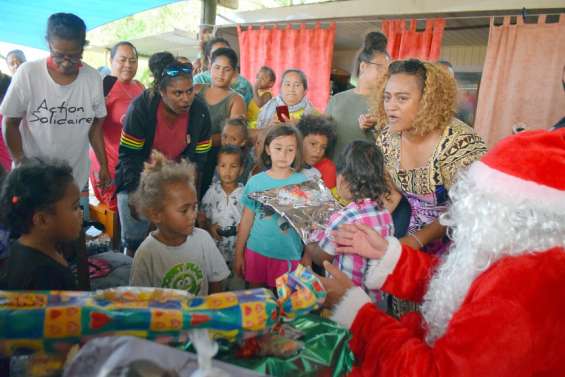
(404, 43)
(308, 49)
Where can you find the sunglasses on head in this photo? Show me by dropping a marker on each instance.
(175, 70)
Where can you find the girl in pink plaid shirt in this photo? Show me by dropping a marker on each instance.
(361, 181)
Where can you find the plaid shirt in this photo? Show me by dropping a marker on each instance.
(367, 212)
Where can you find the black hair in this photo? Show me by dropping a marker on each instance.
(231, 149)
(270, 72)
(374, 43)
(211, 43)
(5, 81)
(32, 187)
(282, 130)
(158, 63)
(241, 122)
(66, 26)
(319, 125)
(445, 63)
(301, 74)
(413, 67)
(114, 49)
(228, 53)
(19, 54)
(362, 165)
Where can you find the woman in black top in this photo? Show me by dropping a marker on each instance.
(39, 203)
(169, 107)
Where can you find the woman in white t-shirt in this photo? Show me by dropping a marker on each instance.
(55, 107)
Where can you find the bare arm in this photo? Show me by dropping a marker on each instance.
(96, 137)
(14, 139)
(242, 236)
(315, 253)
(427, 234)
(238, 107)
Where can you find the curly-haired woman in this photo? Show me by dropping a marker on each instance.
(423, 143)
(425, 147)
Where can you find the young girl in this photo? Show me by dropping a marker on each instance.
(361, 181)
(267, 246)
(176, 255)
(39, 204)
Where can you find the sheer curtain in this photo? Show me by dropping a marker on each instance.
(521, 81)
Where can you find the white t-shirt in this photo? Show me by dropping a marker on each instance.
(55, 118)
(189, 266)
(224, 210)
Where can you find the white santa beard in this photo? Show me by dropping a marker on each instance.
(484, 228)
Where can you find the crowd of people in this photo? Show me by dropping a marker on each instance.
(178, 160)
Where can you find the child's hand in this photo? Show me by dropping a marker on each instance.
(306, 260)
(214, 232)
(336, 285)
(239, 264)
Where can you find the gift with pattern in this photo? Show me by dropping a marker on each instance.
(54, 321)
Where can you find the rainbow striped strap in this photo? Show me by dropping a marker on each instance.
(204, 146)
(131, 142)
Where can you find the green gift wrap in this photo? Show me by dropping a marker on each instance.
(325, 353)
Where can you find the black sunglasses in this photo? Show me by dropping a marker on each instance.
(175, 70)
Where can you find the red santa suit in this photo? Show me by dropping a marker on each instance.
(511, 321)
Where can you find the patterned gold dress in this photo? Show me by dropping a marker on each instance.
(427, 187)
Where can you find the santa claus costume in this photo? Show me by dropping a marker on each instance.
(495, 306)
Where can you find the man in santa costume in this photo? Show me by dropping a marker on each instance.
(495, 306)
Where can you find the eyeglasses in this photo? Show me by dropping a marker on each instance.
(60, 57)
(176, 70)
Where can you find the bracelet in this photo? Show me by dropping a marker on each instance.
(417, 239)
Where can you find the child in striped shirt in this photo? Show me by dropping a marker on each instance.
(361, 181)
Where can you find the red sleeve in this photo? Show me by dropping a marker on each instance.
(410, 277)
(489, 337)
(327, 169)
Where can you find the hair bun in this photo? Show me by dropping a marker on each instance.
(375, 40)
(158, 62)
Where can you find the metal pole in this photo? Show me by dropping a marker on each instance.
(207, 22)
(208, 13)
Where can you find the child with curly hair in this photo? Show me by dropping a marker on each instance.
(361, 180)
(177, 254)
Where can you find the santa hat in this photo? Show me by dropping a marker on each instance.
(527, 167)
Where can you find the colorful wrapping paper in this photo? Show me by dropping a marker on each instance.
(307, 206)
(53, 321)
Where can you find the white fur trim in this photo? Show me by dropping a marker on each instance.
(379, 269)
(512, 189)
(346, 311)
